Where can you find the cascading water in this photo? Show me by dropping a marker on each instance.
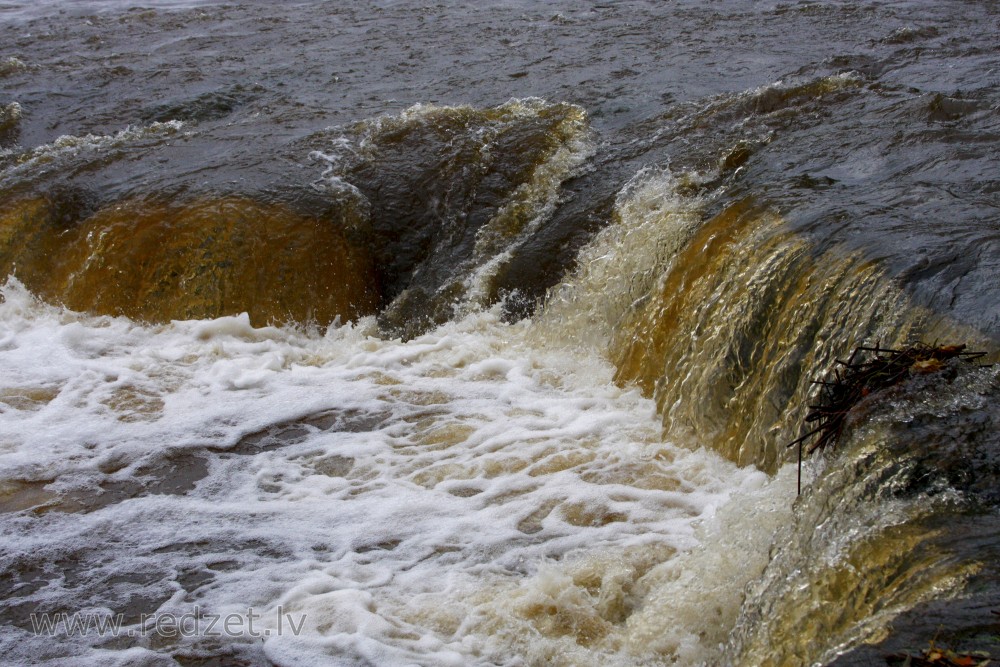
(389, 360)
(894, 542)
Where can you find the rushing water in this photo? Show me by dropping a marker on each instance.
(419, 333)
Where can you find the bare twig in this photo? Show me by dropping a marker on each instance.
(866, 371)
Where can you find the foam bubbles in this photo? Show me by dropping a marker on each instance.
(418, 502)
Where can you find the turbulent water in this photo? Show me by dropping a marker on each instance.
(421, 334)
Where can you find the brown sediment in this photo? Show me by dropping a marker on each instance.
(208, 257)
(18, 494)
(693, 264)
(30, 241)
(725, 339)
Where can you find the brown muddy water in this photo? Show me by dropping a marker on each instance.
(428, 334)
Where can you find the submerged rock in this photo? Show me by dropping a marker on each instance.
(454, 193)
(896, 543)
(212, 105)
(951, 443)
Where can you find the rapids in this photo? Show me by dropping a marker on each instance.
(413, 333)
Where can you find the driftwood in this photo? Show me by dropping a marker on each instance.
(867, 370)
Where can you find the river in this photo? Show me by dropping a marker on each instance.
(419, 333)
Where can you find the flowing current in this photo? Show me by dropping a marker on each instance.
(422, 334)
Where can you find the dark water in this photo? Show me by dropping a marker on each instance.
(895, 159)
(718, 198)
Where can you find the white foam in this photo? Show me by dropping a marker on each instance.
(449, 469)
(68, 146)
